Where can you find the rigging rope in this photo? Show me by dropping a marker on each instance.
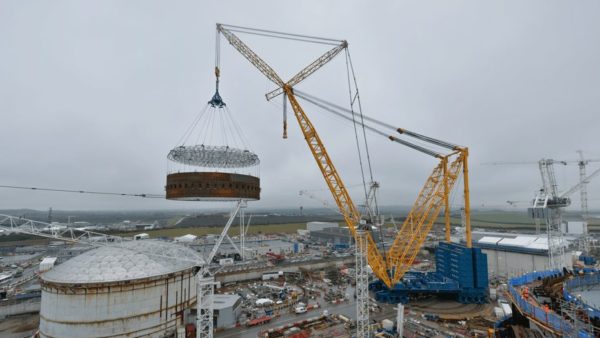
(370, 128)
(83, 191)
(372, 210)
(282, 35)
(362, 171)
(357, 98)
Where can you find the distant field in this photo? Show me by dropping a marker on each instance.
(234, 231)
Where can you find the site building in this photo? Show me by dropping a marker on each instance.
(510, 254)
(227, 309)
(319, 226)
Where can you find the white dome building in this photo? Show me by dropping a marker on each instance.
(137, 289)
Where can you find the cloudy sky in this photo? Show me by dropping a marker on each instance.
(94, 94)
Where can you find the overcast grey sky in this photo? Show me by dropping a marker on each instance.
(93, 94)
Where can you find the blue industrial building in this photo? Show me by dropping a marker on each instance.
(460, 271)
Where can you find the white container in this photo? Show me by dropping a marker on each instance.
(47, 263)
(225, 261)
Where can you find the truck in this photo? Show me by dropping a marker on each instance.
(300, 308)
(258, 321)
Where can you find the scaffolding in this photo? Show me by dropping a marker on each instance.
(362, 286)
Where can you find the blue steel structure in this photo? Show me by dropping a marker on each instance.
(590, 279)
(552, 320)
(461, 271)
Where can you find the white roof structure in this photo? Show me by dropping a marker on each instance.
(186, 238)
(48, 260)
(127, 261)
(489, 240)
(532, 242)
(223, 301)
(521, 241)
(263, 301)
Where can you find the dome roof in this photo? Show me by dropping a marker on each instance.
(125, 261)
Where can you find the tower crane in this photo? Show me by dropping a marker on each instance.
(434, 195)
(370, 206)
(548, 204)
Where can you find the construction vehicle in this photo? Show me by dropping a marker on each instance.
(275, 258)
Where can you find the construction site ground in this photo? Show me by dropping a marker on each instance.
(19, 326)
(452, 310)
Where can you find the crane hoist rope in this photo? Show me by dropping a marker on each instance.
(433, 196)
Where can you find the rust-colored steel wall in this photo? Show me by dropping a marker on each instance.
(199, 186)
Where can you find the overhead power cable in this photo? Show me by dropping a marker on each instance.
(83, 191)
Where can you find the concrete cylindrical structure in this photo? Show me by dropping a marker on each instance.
(136, 290)
(215, 186)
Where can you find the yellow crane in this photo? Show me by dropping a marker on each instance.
(434, 195)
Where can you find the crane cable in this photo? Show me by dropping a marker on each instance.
(334, 109)
(83, 191)
(282, 35)
(373, 210)
(354, 123)
(338, 110)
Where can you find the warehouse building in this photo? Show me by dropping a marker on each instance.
(511, 255)
(227, 309)
(320, 226)
(332, 236)
(335, 236)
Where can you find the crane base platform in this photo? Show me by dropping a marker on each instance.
(461, 272)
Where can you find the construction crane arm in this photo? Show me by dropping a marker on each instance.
(259, 63)
(217, 245)
(423, 215)
(308, 70)
(22, 225)
(580, 184)
(432, 197)
(336, 186)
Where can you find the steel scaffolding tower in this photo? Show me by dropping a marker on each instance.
(547, 205)
(362, 286)
(584, 201)
(204, 300)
